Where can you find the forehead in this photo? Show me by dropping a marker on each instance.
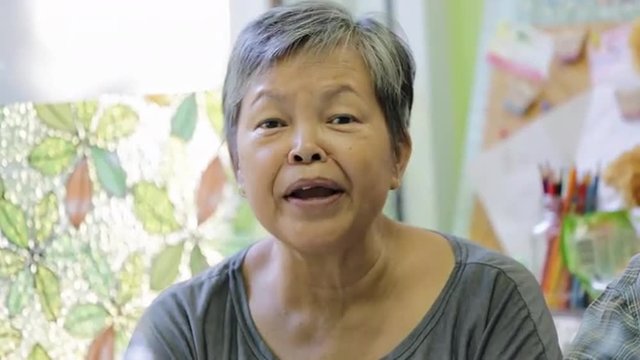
(342, 64)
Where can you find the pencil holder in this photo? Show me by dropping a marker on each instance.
(543, 234)
(598, 246)
(548, 264)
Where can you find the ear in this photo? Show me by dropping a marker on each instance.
(401, 160)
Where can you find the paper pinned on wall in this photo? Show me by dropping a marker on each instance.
(612, 63)
(605, 136)
(523, 50)
(611, 59)
(507, 180)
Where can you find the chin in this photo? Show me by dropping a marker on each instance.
(315, 238)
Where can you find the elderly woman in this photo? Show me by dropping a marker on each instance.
(317, 107)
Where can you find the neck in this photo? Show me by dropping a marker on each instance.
(331, 282)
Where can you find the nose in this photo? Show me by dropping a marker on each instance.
(306, 150)
(305, 157)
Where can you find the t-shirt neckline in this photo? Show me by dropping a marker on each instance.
(403, 350)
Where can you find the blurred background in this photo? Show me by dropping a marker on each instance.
(115, 182)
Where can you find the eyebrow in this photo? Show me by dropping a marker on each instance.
(268, 93)
(333, 92)
(327, 95)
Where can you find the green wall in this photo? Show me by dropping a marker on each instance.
(464, 19)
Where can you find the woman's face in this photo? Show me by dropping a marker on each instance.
(313, 149)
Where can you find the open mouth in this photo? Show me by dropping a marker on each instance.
(313, 192)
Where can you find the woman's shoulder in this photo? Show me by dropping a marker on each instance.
(196, 293)
(508, 297)
(195, 297)
(166, 327)
(478, 258)
(501, 274)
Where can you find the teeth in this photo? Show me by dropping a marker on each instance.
(308, 187)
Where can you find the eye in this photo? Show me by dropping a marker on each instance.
(270, 124)
(342, 119)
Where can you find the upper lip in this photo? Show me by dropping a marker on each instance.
(310, 183)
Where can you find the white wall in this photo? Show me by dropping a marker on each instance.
(420, 193)
(73, 49)
(243, 11)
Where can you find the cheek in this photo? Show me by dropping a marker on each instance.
(259, 167)
(370, 174)
(373, 158)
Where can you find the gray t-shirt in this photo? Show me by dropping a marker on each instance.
(490, 308)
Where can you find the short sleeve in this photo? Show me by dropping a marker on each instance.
(163, 332)
(610, 326)
(520, 325)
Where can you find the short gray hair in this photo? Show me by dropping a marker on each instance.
(318, 27)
